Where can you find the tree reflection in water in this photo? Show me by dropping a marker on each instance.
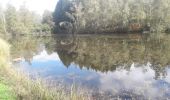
(128, 65)
(106, 53)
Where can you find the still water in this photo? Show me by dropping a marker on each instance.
(123, 66)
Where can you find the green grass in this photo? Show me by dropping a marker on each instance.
(15, 85)
(6, 93)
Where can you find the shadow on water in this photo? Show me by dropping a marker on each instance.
(127, 66)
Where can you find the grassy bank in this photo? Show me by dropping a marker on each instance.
(6, 93)
(16, 85)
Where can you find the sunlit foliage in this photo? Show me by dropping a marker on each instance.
(114, 15)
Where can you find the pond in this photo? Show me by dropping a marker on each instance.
(127, 66)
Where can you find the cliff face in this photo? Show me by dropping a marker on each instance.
(112, 16)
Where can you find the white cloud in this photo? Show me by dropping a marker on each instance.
(44, 57)
(134, 79)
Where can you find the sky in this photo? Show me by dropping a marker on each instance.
(33, 5)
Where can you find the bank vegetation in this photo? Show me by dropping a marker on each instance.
(16, 85)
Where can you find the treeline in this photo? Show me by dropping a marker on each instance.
(86, 16)
(22, 21)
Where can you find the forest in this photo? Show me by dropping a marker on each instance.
(86, 16)
(22, 21)
(112, 16)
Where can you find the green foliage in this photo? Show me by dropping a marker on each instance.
(11, 19)
(2, 22)
(115, 15)
(46, 28)
(6, 93)
(22, 21)
(47, 21)
(47, 18)
(26, 20)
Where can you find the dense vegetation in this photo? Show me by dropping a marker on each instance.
(86, 16)
(14, 22)
(90, 16)
(5, 91)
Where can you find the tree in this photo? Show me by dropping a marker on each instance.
(47, 18)
(62, 13)
(2, 22)
(159, 16)
(47, 21)
(22, 21)
(11, 18)
(27, 20)
(115, 15)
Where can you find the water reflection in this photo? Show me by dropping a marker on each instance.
(130, 67)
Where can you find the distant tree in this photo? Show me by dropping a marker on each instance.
(61, 8)
(27, 20)
(47, 21)
(63, 13)
(47, 18)
(159, 16)
(2, 22)
(22, 21)
(11, 18)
